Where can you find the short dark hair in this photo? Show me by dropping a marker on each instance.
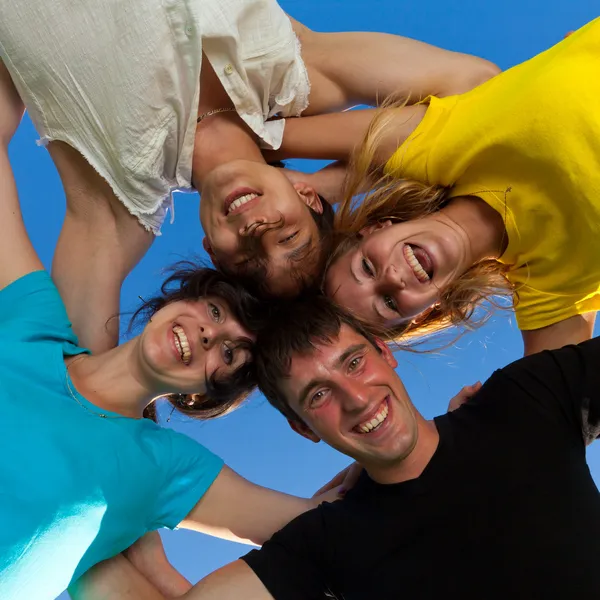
(190, 281)
(296, 327)
(255, 275)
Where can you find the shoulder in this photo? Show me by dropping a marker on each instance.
(33, 308)
(178, 454)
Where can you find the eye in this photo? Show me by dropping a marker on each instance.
(228, 355)
(215, 312)
(354, 363)
(317, 399)
(289, 238)
(242, 264)
(390, 303)
(367, 268)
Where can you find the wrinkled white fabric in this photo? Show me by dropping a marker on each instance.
(119, 80)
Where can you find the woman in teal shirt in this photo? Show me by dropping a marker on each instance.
(83, 475)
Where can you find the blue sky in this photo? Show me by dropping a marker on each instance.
(255, 440)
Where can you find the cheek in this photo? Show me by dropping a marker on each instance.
(335, 281)
(325, 420)
(208, 365)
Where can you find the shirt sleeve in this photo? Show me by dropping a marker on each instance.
(32, 309)
(186, 471)
(565, 383)
(292, 565)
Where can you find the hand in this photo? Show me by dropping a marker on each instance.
(345, 480)
(465, 394)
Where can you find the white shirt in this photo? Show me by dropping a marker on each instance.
(119, 80)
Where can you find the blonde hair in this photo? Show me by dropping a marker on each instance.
(371, 196)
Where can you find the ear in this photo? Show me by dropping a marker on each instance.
(303, 430)
(386, 353)
(309, 196)
(376, 227)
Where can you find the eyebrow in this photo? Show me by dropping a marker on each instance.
(338, 363)
(300, 252)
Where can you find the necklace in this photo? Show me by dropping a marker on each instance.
(98, 414)
(215, 111)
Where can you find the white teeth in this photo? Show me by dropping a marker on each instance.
(415, 265)
(182, 344)
(376, 421)
(241, 200)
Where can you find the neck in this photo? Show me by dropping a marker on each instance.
(220, 139)
(414, 462)
(109, 381)
(482, 227)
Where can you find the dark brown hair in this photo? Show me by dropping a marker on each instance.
(188, 281)
(295, 328)
(255, 274)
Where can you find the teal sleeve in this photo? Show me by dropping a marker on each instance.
(32, 309)
(188, 470)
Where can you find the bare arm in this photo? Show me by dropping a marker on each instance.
(352, 68)
(335, 136)
(118, 579)
(236, 509)
(574, 330)
(99, 245)
(17, 256)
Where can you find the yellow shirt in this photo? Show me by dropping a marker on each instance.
(528, 143)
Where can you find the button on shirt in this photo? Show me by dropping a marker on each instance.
(120, 81)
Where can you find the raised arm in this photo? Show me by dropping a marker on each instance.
(99, 244)
(17, 256)
(352, 68)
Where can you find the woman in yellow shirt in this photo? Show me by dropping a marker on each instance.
(495, 191)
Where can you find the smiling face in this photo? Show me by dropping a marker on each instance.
(348, 395)
(188, 342)
(253, 215)
(396, 271)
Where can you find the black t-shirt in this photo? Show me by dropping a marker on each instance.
(506, 508)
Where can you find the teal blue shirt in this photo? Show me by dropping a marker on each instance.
(75, 489)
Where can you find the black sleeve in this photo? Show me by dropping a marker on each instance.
(565, 382)
(292, 565)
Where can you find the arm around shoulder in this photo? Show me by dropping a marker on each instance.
(232, 582)
(234, 508)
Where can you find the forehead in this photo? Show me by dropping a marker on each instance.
(324, 357)
(342, 287)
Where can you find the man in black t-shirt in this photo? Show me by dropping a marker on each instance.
(493, 500)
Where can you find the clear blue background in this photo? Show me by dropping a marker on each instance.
(255, 440)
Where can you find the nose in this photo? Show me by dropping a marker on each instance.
(207, 337)
(355, 395)
(391, 277)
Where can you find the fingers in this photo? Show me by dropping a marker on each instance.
(334, 483)
(351, 478)
(467, 392)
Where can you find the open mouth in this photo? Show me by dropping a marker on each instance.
(419, 261)
(375, 422)
(234, 202)
(182, 344)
